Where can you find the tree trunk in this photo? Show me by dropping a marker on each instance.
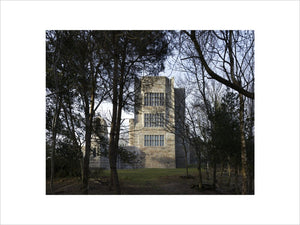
(186, 164)
(54, 122)
(214, 175)
(86, 160)
(250, 182)
(113, 141)
(112, 150)
(118, 126)
(117, 113)
(207, 170)
(229, 173)
(186, 161)
(198, 153)
(114, 172)
(81, 168)
(200, 178)
(243, 146)
(251, 150)
(89, 114)
(237, 183)
(222, 168)
(200, 174)
(54, 132)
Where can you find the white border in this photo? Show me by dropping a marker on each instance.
(23, 199)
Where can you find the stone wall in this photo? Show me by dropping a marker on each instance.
(155, 156)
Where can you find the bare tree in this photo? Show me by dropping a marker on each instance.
(228, 57)
(232, 55)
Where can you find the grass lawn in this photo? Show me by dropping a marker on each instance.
(142, 176)
(136, 181)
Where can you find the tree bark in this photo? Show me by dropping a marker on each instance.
(54, 132)
(243, 146)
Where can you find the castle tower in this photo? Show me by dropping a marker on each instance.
(157, 120)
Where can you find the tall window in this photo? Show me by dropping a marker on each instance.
(154, 140)
(154, 120)
(162, 140)
(154, 99)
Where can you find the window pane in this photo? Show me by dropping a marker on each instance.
(153, 120)
(156, 140)
(146, 120)
(151, 99)
(145, 99)
(161, 140)
(161, 98)
(159, 120)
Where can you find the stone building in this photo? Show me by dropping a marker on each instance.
(99, 149)
(99, 144)
(158, 122)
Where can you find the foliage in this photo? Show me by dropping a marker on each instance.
(225, 129)
(126, 156)
(67, 161)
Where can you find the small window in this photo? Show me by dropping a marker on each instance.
(156, 140)
(153, 140)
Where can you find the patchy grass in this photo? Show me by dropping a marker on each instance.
(139, 181)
